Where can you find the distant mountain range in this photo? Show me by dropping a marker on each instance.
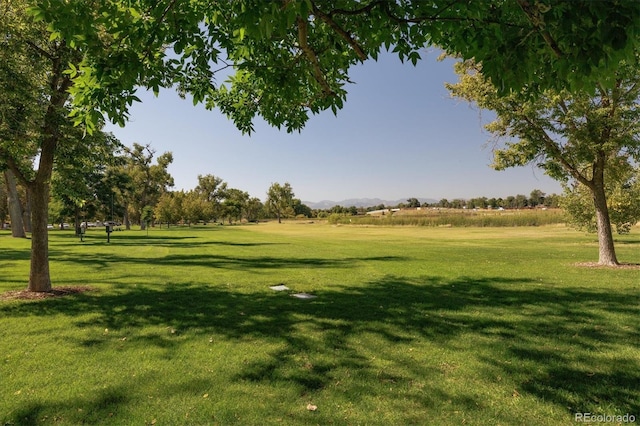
(362, 202)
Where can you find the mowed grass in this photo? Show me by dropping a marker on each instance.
(409, 325)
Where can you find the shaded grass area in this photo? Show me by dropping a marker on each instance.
(408, 327)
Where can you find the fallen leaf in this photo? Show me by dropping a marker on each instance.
(206, 395)
(312, 407)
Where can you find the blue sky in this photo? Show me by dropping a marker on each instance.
(399, 135)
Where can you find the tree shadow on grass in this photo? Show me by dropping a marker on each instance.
(96, 408)
(517, 328)
(235, 262)
(140, 238)
(14, 255)
(104, 406)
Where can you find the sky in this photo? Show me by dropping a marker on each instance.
(399, 135)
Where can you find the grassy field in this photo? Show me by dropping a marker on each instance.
(409, 325)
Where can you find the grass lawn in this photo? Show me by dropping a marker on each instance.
(409, 325)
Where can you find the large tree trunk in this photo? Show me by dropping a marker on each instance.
(26, 214)
(15, 210)
(606, 249)
(39, 278)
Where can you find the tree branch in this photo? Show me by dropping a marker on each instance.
(556, 152)
(535, 17)
(13, 166)
(345, 35)
(438, 18)
(156, 27)
(313, 58)
(355, 12)
(39, 49)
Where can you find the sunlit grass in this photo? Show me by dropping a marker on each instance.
(409, 326)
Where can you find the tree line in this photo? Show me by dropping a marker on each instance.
(133, 186)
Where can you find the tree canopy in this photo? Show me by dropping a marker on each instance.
(287, 59)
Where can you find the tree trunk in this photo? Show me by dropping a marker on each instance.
(76, 221)
(26, 214)
(606, 249)
(127, 221)
(39, 278)
(15, 209)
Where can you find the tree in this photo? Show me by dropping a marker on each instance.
(114, 190)
(193, 207)
(521, 201)
(254, 209)
(552, 201)
(34, 82)
(164, 209)
(213, 190)
(81, 166)
(4, 207)
(300, 209)
(234, 204)
(413, 202)
(293, 58)
(280, 200)
(14, 207)
(149, 180)
(147, 217)
(581, 137)
(536, 198)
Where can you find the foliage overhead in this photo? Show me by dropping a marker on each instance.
(286, 59)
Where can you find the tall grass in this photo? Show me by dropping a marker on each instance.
(458, 218)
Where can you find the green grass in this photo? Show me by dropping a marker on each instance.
(410, 326)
